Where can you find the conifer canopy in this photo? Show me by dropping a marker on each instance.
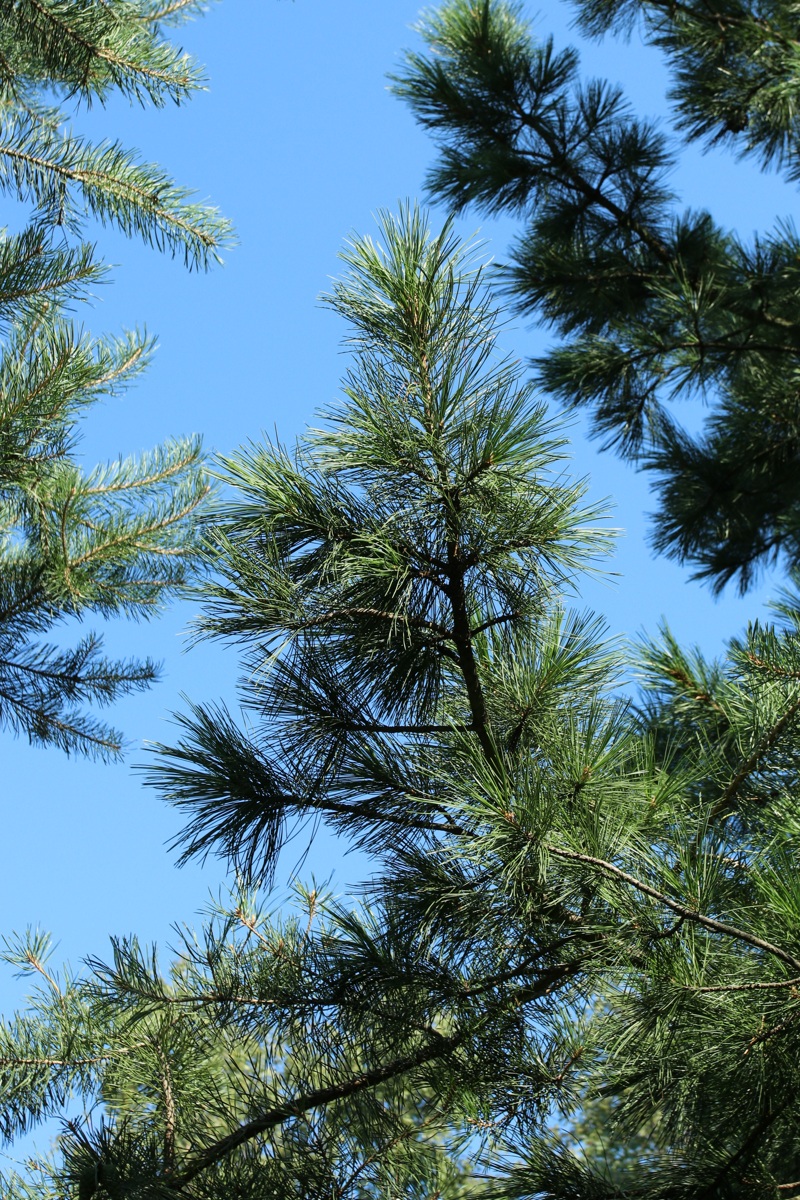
(580, 911)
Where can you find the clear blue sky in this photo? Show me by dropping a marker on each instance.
(299, 142)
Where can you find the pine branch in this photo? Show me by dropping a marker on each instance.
(751, 763)
(441, 1047)
(312, 1099)
(675, 906)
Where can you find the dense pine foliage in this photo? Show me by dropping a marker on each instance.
(574, 969)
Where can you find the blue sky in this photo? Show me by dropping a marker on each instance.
(299, 142)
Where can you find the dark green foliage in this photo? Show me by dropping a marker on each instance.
(335, 564)
(118, 539)
(734, 65)
(652, 306)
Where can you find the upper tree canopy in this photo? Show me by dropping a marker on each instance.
(118, 539)
(574, 907)
(653, 305)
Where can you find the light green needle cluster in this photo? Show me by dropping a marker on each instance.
(119, 539)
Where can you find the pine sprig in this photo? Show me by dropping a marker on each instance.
(91, 49)
(45, 169)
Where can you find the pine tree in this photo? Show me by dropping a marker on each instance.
(582, 912)
(119, 539)
(652, 305)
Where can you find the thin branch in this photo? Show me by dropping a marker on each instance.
(377, 727)
(170, 1111)
(318, 1097)
(382, 816)
(522, 968)
(337, 614)
(510, 616)
(682, 910)
(745, 987)
(751, 762)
